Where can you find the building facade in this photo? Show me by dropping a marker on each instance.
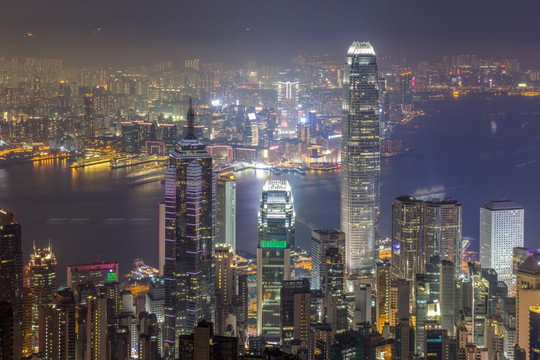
(501, 230)
(360, 157)
(189, 237)
(275, 241)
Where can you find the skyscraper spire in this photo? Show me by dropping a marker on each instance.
(191, 122)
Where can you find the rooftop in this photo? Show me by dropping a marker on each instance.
(502, 205)
(361, 48)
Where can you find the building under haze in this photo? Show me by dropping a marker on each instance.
(275, 241)
(360, 157)
(11, 284)
(189, 238)
(501, 230)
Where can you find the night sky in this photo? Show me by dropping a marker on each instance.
(235, 31)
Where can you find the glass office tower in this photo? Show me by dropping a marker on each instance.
(275, 241)
(189, 236)
(360, 157)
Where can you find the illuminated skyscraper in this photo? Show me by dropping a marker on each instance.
(360, 157)
(501, 230)
(88, 129)
(42, 280)
(226, 211)
(295, 313)
(189, 237)
(57, 326)
(288, 100)
(275, 241)
(382, 304)
(406, 237)
(321, 241)
(441, 233)
(224, 284)
(11, 278)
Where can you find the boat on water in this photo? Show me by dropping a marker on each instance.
(153, 169)
(146, 180)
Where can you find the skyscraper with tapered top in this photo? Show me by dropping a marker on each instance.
(360, 157)
(189, 237)
(275, 241)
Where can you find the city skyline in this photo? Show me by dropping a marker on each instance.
(247, 29)
(224, 180)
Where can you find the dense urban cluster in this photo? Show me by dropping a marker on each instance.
(420, 294)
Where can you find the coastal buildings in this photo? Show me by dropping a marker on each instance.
(360, 158)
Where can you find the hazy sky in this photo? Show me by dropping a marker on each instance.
(137, 31)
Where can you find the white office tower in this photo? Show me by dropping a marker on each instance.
(501, 230)
(360, 158)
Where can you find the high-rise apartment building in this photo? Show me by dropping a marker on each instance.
(189, 237)
(275, 241)
(226, 211)
(11, 277)
(360, 157)
(501, 230)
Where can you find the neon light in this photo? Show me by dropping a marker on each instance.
(275, 244)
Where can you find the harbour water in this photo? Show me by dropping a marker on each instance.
(93, 211)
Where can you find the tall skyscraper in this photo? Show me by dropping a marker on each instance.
(406, 237)
(441, 233)
(88, 127)
(189, 237)
(382, 304)
(11, 277)
(321, 240)
(295, 313)
(447, 290)
(226, 211)
(42, 279)
(360, 157)
(501, 230)
(224, 284)
(57, 330)
(275, 241)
